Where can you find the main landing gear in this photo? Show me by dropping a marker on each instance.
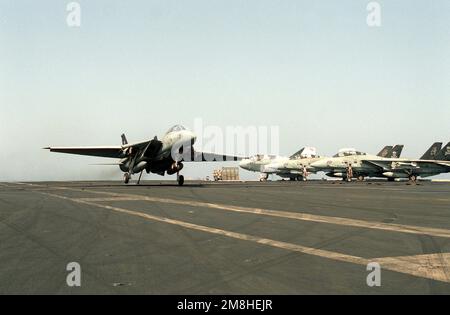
(413, 178)
(126, 178)
(180, 179)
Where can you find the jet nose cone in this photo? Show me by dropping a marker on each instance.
(244, 164)
(320, 164)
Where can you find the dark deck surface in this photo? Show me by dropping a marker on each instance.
(206, 238)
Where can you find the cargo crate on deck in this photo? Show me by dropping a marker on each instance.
(226, 173)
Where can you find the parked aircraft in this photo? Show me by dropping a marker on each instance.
(386, 152)
(362, 165)
(295, 167)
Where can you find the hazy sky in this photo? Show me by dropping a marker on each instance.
(313, 68)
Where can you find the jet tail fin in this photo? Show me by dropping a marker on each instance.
(397, 151)
(124, 139)
(444, 154)
(297, 154)
(385, 151)
(304, 153)
(432, 152)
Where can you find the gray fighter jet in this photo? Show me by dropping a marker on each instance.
(362, 165)
(386, 152)
(295, 167)
(154, 156)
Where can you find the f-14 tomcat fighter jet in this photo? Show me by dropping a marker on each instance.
(433, 162)
(387, 152)
(295, 167)
(154, 156)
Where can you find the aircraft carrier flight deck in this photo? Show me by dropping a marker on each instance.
(316, 237)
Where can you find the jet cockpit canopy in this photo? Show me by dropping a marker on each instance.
(348, 152)
(176, 128)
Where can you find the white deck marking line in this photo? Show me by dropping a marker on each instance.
(435, 266)
(28, 184)
(410, 229)
(428, 271)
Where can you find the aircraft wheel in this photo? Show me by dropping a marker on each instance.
(360, 178)
(413, 178)
(126, 178)
(180, 180)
